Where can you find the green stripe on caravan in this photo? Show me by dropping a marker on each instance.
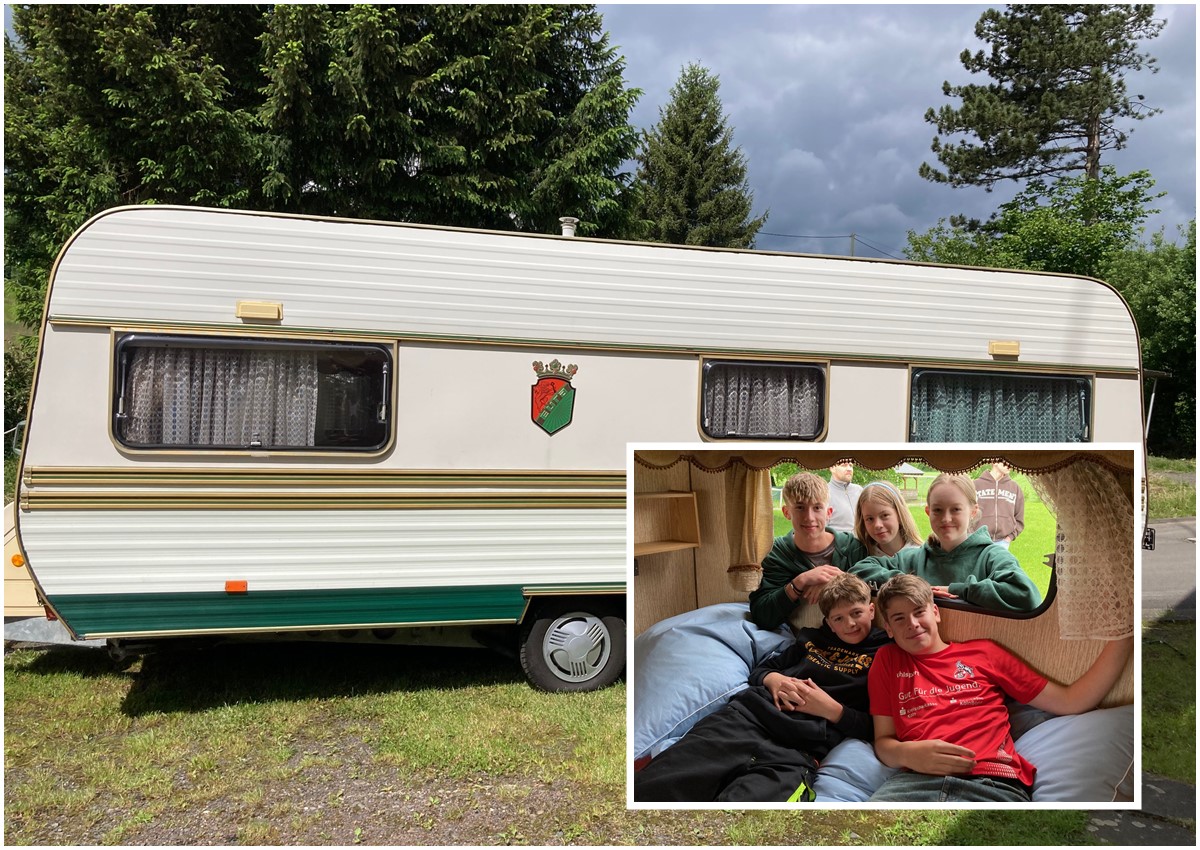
(102, 614)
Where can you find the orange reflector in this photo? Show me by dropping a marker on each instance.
(18, 560)
(50, 615)
(235, 587)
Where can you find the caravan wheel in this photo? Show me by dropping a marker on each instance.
(569, 646)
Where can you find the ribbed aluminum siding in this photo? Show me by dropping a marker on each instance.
(139, 552)
(191, 266)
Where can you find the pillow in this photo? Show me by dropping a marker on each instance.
(850, 773)
(688, 666)
(1083, 758)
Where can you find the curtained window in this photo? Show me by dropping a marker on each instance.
(180, 392)
(762, 400)
(967, 407)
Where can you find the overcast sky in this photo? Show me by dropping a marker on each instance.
(827, 102)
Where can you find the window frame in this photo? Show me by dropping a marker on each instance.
(1085, 381)
(125, 340)
(821, 368)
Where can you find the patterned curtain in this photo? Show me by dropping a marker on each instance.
(1093, 507)
(967, 408)
(747, 400)
(221, 397)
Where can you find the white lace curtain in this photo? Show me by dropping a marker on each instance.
(1093, 508)
(744, 400)
(221, 397)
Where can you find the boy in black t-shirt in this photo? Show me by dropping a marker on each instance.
(764, 744)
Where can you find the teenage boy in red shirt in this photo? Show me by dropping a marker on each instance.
(939, 708)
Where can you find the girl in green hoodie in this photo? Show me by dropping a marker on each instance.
(959, 564)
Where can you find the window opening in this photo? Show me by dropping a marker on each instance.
(762, 400)
(176, 392)
(964, 407)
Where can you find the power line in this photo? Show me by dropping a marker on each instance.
(793, 236)
(877, 248)
(853, 236)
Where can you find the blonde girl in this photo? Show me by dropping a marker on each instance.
(957, 563)
(882, 521)
(951, 505)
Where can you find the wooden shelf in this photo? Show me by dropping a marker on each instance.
(660, 546)
(665, 522)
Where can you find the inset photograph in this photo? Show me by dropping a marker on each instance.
(907, 627)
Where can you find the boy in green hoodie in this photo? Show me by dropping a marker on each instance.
(957, 563)
(802, 561)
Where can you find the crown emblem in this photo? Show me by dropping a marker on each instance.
(555, 370)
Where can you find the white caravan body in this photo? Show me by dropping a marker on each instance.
(473, 396)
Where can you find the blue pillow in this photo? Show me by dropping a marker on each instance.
(689, 665)
(1082, 758)
(850, 773)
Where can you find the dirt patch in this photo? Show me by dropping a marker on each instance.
(381, 806)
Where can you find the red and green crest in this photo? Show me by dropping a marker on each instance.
(553, 396)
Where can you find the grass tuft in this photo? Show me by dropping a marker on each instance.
(1169, 699)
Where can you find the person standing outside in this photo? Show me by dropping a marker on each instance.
(843, 496)
(1001, 504)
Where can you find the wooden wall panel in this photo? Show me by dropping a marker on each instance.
(665, 584)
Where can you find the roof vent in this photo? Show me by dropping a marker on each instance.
(568, 225)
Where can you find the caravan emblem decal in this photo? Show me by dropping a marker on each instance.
(553, 396)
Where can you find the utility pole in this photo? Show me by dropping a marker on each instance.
(852, 235)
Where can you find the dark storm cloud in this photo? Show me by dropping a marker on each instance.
(828, 104)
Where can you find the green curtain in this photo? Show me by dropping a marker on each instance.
(952, 407)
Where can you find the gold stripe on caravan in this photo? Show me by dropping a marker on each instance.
(45, 476)
(45, 488)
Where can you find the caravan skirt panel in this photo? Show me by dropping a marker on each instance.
(99, 553)
(96, 615)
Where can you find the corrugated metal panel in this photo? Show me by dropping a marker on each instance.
(191, 266)
(108, 552)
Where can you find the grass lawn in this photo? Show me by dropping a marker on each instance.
(338, 744)
(1169, 699)
(1172, 486)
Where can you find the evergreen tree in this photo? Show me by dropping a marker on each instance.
(110, 105)
(1058, 96)
(691, 179)
(498, 116)
(501, 116)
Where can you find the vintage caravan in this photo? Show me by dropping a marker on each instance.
(247, 423)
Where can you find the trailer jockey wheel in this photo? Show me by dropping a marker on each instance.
(573, 646)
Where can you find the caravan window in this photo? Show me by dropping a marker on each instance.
(741, 399)
(965, 407)
(214, 393)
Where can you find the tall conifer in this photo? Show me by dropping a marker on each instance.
(691, 178)
(1058, 99)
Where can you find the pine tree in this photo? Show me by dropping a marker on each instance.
(691, 179)
(117, 104)
(499, 116)
(1058, 98)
